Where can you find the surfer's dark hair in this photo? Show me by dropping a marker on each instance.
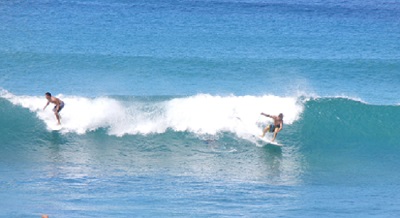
(48, 94)
(281, 115)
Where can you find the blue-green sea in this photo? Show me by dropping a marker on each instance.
(163, 101)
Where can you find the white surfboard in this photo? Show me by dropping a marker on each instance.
(55, 127)
(268, 142)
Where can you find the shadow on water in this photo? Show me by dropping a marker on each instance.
(281, 165)
(55, 138)
(271, 161)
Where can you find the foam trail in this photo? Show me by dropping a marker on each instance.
(201, 114)
(206, 114)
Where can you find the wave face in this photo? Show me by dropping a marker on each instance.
(330, 119)
(344, 140)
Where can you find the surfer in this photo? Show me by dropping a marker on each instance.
(59, 105)
(276, 127)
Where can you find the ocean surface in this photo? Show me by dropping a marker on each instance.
(163, 101)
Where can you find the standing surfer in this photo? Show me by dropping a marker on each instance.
(59, 105)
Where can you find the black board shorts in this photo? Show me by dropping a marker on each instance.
(61, 107)
(272, 127)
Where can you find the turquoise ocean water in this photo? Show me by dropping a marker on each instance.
(163, 99)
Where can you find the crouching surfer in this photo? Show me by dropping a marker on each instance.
(276, 127)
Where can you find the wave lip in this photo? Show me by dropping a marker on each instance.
(199, 114)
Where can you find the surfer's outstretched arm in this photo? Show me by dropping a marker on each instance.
(267, 115)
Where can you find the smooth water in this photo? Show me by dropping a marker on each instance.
(163, 99)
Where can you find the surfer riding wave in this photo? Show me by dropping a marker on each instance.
(59, 105)
(276, 127)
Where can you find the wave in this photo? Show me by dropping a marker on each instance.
(199, 114)
(313, 121)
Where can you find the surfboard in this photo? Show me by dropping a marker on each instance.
(55, 127)
(268, 142)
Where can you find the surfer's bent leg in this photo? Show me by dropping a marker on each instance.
(275, 134)
(58, 117)
(266, 129)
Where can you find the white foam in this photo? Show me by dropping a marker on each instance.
(353, 98)
(206, 114)
(200, 114)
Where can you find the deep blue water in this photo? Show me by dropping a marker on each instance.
(163, 101)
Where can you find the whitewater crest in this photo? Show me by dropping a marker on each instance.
(199, 114)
